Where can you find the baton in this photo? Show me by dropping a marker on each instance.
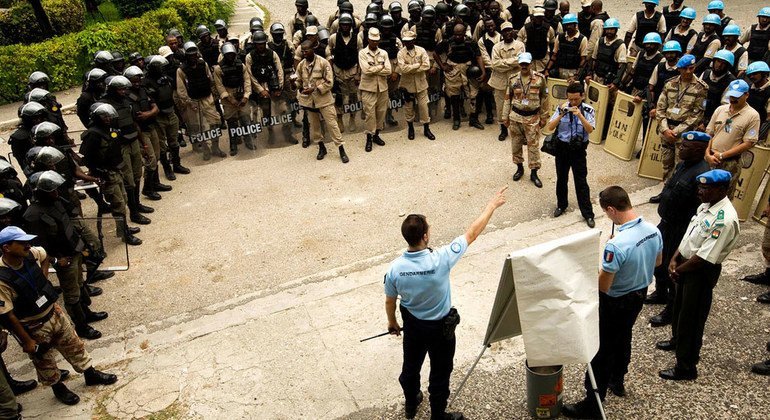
(375, 336)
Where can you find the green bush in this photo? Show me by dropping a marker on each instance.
(134, 8)
(18, 24)
(201, 12)
(66, 58)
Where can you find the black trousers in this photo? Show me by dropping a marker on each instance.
(692, 304)
(617, 316)
(672, 234)
(567, 159)
(421, 338)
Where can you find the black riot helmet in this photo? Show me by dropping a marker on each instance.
(118, 82)
(256, 24)
(311, 20)
(6, 204)
(395, 7)
(346, 7)
(30, 110)
(277, 28)
(135, 58)
(370, 20)
(259, 37)
(102, 114)
(38, 79)
(429, 12)
(442, 9)
(201, 31)
(346, 18)
(301, 3)
(413, 6)
(41, 96)
(220, 25)
(228, 48)
(190, 49)
(550, 5)
(117, 58)
(374, 8)
(386, 21)
(46, 181)
(462, 11)
(156, 65)
(473, 72)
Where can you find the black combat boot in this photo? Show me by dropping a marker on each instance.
(410, 130)
(168, 171)
(305, 131)
(135, 215)
(456, 104)
(473, 121)
(176, 162)
(503, 133)
(321, 150)
(427, 133)
(127, 235)
(344, 156)
(64, 395)
(519, 172)
(78, 318)
(368, 146)
(141, 207)
(232, 123)
(95, 377)
(535, 180)
(157, 186)
(17, 387)
(448, 107)
(91, 316)
(149, 187)
(389, 120)
(377, 140)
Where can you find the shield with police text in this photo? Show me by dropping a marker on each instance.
(598, 97)
(624, 127)
(651, 161)
(753, 166)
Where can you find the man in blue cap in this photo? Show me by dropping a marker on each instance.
(734, 129)
(28, 309)
(759, 94)
(718, 77)
(678, 203)
(695, 269)
(679, 109)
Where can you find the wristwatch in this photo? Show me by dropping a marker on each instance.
(721, 156)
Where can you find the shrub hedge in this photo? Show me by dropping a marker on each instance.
(66, 58)
(134, 8)
(18, 24)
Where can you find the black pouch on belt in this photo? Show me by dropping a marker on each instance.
(450, 323)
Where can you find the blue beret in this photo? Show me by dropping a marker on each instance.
(687, 60)
(715, 176)
(696, 136)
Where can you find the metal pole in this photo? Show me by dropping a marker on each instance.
(596, 391)
(462, 383)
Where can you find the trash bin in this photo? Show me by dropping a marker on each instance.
(544, 391)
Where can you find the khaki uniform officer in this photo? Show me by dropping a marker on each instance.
(505, 61)
(734, 129)
(342, 52)
(413, 63)
(375, 69)
(231, 78)
(679, 109)
(315, 78)
(525, 110)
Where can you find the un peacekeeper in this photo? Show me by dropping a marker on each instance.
(342, 53)
(505, 62)
(679, 109)
(129, 139)
(315, 80)
(539, 39)
(266, 76)
(93, 89)
(461, 53)
(608, 63)
(421, 277)
(678, 203)
(194, 90)
(413, 65)
(757, 38)
(525, 112)
(717, 7)
(759, 95)
(644, 22)
(629, 260)
(638, 79)
(664, 71)
(570, 50)
(707, 43)
(231, 79)
(103, 157)
(160, 87)
(391, 44)
(298, 22)
(718, 78)
(49, 217)
(285, 50)
(375, 68)
(734, 129)
(30, 312)
(146, 118)
(683, 33)
(730, 43)
(695, 269)
(31, 114)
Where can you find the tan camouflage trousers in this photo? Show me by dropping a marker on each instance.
(733, 166)
(58, 333)
(525, 134)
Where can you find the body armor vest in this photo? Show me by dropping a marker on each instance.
(198, 83)
(426, 36)
(672, 18)
(644, 26)
(644, 69)
(737, 54)
(518, 17)
(232, 75)
(162, 91)
(584, 24)
(537, 40)
(125, 117)
(699, 49)
(388, 43)
(758, 100)
(664, 75)
(605, 58)
(285, 54)
(29, 289)
(568, 56)
(758, 40)
(210, 53)
(460, 52)
(684, 40)
(715, 91)
(262, 66)
(346, 55)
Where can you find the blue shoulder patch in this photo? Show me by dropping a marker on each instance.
(456, 248)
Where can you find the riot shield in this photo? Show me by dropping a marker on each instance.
(598, 97)
(557, 90)
(650, 162)
(763, 201)
(753, 166)
(624, 127)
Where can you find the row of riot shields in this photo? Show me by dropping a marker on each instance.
(625, 124)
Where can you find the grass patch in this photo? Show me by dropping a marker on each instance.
(108, 11)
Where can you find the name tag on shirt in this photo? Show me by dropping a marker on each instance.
(41, 301)
(525, 101)
(675, 111)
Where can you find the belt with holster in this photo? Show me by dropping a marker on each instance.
(33, 325)
(525, 113)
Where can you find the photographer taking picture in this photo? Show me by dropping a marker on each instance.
(572, 122)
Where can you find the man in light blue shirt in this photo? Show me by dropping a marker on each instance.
(421, 277)
(573, 121)
(629, 259)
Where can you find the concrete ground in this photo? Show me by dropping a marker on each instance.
(260, 273)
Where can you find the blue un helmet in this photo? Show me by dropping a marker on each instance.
(757, 67)
(655, 2)
(725, 56)
(732, 29)
(712, 19)
(611, 23)
(716, 5)
(688, 13)
(765, 11)
(672, 46)
(652, 38)
(572, 18)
